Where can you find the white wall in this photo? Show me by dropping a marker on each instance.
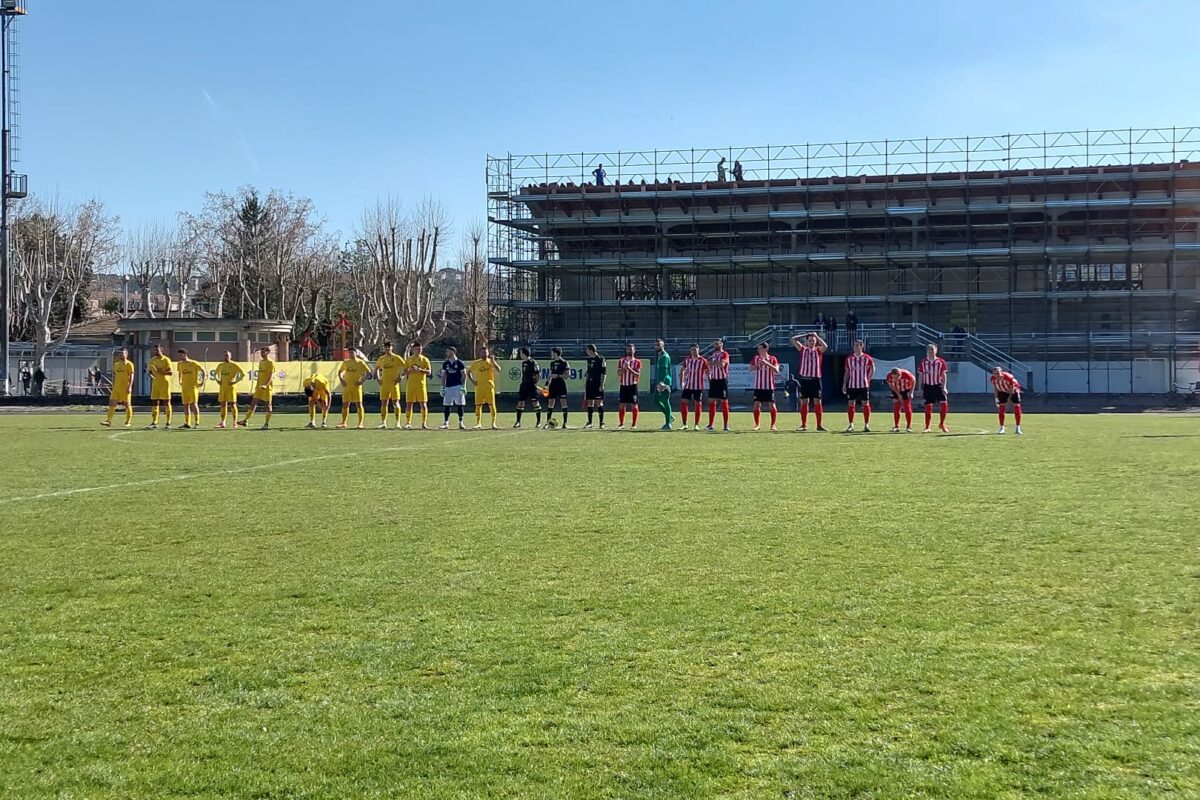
(1144, 376)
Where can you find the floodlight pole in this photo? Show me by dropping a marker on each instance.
(9, 11)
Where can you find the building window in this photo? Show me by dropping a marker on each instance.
(205, 336)
(229, 336)
(183, 336)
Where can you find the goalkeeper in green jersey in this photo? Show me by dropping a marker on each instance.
(662, 382)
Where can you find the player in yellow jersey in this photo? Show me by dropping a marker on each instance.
(160, 369)
(122, 389)
(191, 378)
(262, 390)
(416, 393)
(229, 375)
(316, 389)
(484, 372)
(351, 374)
(388, 370)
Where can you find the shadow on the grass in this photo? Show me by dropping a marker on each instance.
(1162, 436)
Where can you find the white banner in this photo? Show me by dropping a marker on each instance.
(882, 368)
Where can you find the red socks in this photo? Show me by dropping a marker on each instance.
(908, 413)
(697, 425)
(895, 413)
(1017, 414)
(774, 415)
(1000, 411)
(712, 413)
(866, 413)
(942, 412)
(620, 416)
(820, 412)
(683, 408)
(804, 415)
(725, 412)
(850, 413)
(635, 413)
(928, 415)
(757, 417)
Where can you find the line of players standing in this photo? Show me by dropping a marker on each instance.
(697, 370)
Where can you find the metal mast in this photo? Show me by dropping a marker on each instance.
(14, 186)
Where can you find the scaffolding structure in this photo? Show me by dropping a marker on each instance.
(1079, 245)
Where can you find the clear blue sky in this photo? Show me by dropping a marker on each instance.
(147, 104)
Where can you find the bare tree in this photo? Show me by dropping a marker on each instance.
(56, 251)
(476, 306)
(392, 268)
(148, 253)
(260, 255)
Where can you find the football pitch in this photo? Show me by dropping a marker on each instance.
(586, 614)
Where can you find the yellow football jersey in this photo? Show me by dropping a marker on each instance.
(266, 373)
(189, 373)
(317, 383)
(390, 368)
(122, 372)
(228, 374)
(417, 380)
(485, 376)
(160, 370)
(354, 371)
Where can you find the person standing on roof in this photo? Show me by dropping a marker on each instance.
(600, 175)
(737, 170)
(721, 170)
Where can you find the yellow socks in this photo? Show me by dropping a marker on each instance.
(170, 412)
(128, 414)
(154, 414)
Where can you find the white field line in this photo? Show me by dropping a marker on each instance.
(234, 471)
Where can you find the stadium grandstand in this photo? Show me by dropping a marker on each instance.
(1071, 258)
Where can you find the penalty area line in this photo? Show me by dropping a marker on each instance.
(236, 470)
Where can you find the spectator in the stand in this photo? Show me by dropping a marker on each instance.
(819, 321)
(26, 377)
(791, 390)
(600, 175)
(956, 339)
(830, 327)
(721, 170)
(93, 380)
(737, 170)
(852, 324)
(39, 380)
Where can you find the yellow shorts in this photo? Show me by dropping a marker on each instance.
(415, 395)
(227, 395)
(352, 394)
(389, 391)
(160, 393)
(118, 397)
(319, 398)
(189, 396)
(488, 399)
(263, 394)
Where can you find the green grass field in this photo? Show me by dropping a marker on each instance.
(527, 614)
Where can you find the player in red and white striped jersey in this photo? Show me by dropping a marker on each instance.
(629, 373)
(766, 370)
(718, 383)
(812, 351)
(1007, 389)
(692, 376)
(856, 384)
(901, 382)
(933, 371)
